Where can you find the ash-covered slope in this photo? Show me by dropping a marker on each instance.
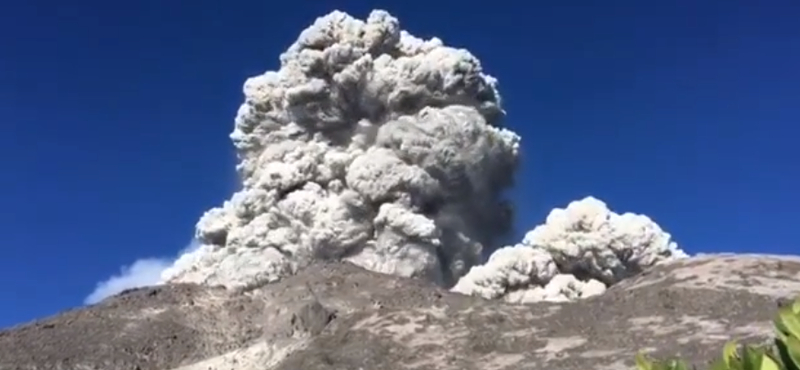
(340, 316)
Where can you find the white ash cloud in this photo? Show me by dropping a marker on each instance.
(367, 145)
(142, 272)
(578, 252)
(376, 147)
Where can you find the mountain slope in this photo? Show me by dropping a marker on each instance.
(339, 316)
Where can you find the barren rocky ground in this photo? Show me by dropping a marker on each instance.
(339, 316)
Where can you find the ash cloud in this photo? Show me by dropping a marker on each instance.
(578, 252)
(368, 145)
(142, 272)
(376, 147)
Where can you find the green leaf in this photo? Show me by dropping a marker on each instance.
(790, 321)
(796, 306)
(729, 354)
(719, 364)
(642, 363)
(793, 350)
(767, 363)
(781, 335)
(750, 358)
(680, 365)
(672, 364)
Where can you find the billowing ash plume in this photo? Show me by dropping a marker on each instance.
(578, 252)
(368, 145)
(376, 147)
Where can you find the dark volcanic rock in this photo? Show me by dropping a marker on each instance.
(338, 316)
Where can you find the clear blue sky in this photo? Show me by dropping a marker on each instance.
(114, 119)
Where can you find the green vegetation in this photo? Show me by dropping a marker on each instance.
(784, 354)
